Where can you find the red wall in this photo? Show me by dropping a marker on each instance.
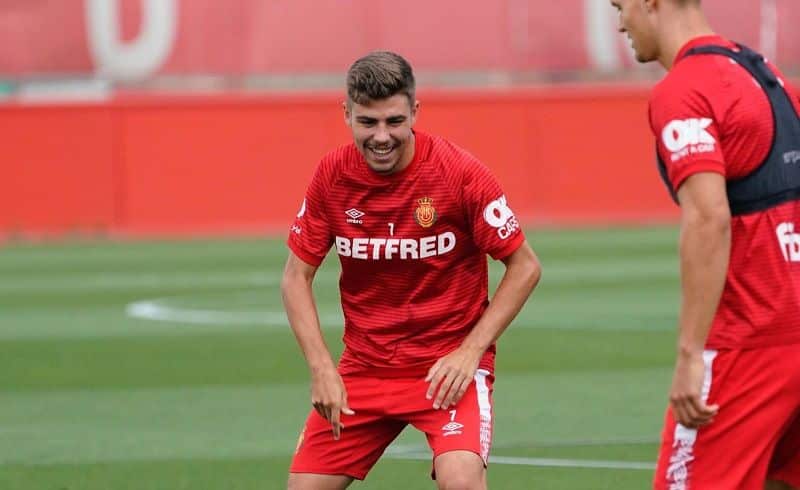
(241, 163)
(233, 37)
(58, 168)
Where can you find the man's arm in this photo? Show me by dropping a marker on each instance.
(328, 393)
(453, 373)
(705, 242)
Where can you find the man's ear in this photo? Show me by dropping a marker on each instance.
(347, 114)
(414, 112)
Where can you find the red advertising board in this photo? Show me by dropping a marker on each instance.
(142, 38)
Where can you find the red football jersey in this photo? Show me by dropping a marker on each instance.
(412, 247)
(710, 115)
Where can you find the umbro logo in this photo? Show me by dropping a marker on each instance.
(452, 428)
(354, 213)
(354, 216)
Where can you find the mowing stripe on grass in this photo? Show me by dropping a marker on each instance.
(544, 462)
(600, 315)
(559, 271)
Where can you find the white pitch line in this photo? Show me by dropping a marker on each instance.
(159, 309)
(153, 310)
(545, 462)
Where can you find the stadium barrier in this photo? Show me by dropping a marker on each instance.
(138, 39)
(171, 165)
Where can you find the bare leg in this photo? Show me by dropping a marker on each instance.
(460, 470)
(311, 481)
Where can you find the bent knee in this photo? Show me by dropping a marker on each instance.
(461, 484)
(309, 481)
(457, 481)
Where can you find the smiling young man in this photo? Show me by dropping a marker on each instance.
(412, 218)
(728, 142)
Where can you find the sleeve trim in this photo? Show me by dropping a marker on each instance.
(510, 247)
(694, 168)
(306, 257)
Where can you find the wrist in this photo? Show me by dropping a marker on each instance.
(473, 348)
(320, 366)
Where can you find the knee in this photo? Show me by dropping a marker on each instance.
(311, 481)
(460, 482)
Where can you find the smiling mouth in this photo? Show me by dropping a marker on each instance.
(381, 152)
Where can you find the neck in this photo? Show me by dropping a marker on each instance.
(680, 26)
(408, 154)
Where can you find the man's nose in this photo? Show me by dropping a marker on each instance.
(382, 134)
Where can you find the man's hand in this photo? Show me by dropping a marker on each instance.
(452, 375)
(329, 397)
(685, 396)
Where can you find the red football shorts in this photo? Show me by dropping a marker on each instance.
(383, 407)
(754, 437)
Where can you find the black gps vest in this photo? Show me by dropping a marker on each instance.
(777, 179)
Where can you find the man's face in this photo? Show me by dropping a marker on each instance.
(382, 132)
(636, 20)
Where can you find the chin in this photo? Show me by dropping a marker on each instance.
(383, 169)
(644, 57)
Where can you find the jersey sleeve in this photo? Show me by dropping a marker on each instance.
(310, 236)
(495, 228)
(686, 131)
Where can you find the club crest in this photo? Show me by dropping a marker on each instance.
(425, 214)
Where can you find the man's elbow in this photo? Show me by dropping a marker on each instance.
(534, 272)
(530, 270)
(715, 220)
(287, 285)
(291, 280)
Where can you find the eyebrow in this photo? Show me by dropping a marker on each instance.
(372, 119)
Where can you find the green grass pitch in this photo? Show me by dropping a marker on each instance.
(168, 365)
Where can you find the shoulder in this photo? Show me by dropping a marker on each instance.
(712, 79)
(454, 162)
(336, 163)
(691, 79)
(697, 88)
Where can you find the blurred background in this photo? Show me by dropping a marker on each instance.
(153, 154)
(204, 116)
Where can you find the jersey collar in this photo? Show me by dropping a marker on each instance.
(715, 40)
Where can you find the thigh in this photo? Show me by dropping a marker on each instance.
(734, 451)
(365, 436)
(465, 426)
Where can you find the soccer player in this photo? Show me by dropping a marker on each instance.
(411, 217)
(728, 144)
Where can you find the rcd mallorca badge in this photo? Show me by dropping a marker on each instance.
(425, 214)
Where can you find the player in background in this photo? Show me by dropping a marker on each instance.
(728, 144)
(411, 217)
